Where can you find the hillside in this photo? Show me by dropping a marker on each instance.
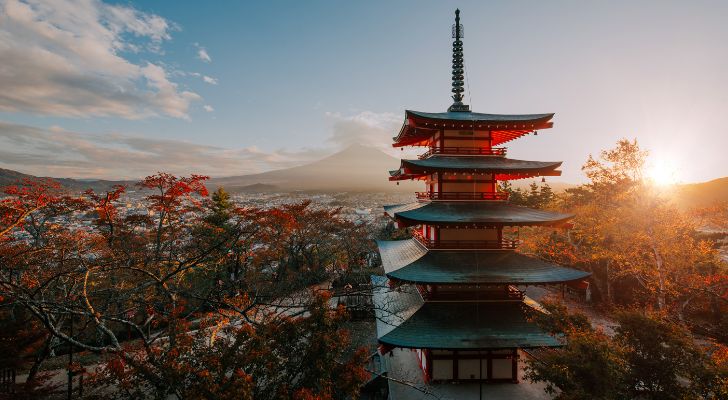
(365, 169)
(357, 168)
(10, 177)
(701, 194)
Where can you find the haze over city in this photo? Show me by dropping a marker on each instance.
(120, 90)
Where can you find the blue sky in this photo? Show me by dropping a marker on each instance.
(120, 90)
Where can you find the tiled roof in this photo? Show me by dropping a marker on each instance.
(475, 164)
(407, 260)
(469, 325)
(464, 213)
(392, 305)
(480, 117)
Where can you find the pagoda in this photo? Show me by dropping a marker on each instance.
(454, 292)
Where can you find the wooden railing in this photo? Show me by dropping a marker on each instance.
(465, 151)
(508, 293)
(462, 196)
(466, 244)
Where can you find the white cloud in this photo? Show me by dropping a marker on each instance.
(211, 81)
(202, 54)
(208, 108)
(367, 128)
(65, 57)
(61, 153)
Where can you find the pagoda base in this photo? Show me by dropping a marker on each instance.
(487, 366)
(403, 365)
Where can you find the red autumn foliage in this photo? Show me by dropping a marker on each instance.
(181, 297)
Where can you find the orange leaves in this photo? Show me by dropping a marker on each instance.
(104, 204)
(172, 190)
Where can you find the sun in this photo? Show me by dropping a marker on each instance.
(661, 172)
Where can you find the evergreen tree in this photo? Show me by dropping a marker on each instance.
(220, 208)
(546, 196)
(534, 196)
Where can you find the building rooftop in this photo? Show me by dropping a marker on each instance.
(481, 117)
(420, 126)
(473, 213)
(469, 325)
(407, 260)
(474, 164)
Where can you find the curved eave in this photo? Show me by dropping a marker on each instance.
(408, 261)
(415, 169)
(469, 325)
(473, 213)
(418, 126)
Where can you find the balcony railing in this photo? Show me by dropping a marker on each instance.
(465, 244)
(507, 293)
(465, 151)
(500, 196)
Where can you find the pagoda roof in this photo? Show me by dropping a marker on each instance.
(469, 325)
(405, 322)
(408, 260)
(472, 213)
(481, 117)
(420, 126)
(410, 169)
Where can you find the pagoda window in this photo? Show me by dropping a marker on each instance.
(469, 365)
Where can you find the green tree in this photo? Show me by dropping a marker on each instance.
(589, 365)
(649, 357)
(546, 195)
(533, 197)
(664, 360)
(515, 195)
(220, 208)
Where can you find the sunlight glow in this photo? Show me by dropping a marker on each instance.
(661, 172)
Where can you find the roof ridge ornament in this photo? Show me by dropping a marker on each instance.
(458, 67)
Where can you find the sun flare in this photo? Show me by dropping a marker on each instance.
(662, 172)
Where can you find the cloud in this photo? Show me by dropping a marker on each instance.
(211, 81)
(202, 54)
(66, 58)
(367, 128)
(208, 108)
(60, 153)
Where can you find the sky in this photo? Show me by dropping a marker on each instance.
(108, 89)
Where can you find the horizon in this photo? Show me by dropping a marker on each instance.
(120, 90)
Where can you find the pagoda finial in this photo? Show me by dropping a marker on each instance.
(458, 67)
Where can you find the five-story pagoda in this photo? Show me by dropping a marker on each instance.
(454, 292)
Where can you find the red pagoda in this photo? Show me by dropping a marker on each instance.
(454, 292)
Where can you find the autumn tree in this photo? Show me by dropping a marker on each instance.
(628, 235)
(143, 288)
(281, 357)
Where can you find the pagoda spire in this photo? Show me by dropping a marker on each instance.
(458, 67)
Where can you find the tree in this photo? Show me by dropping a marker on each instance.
(628, 235)
(296, 357)
(663, 356)
(145, 290)
(589, 366)
(649, 357)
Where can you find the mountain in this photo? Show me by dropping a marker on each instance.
(365, 169)
(355, 169)
(702, 194)
(10, 177)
